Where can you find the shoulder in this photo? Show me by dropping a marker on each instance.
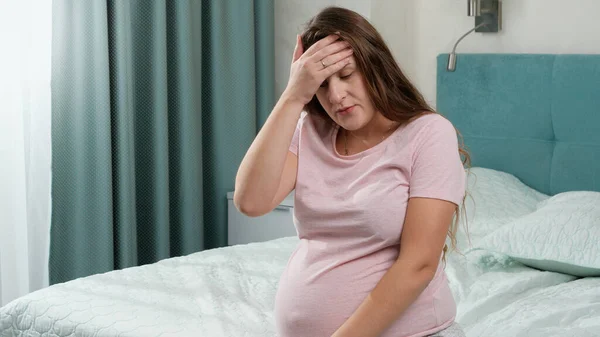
(314, 124)
(431, 135)
(305, 121)
(312, 132)
(431, 123)
(431, 128)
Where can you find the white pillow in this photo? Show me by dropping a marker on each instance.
(562, 235)
(494, 199)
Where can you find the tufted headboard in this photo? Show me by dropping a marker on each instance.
(534, 116)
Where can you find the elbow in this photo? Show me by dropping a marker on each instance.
(246, 206)
(422, 272)
(250, 211)
(427, 272)
(420, 277)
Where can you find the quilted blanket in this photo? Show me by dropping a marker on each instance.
(220, 292)
(229, 292)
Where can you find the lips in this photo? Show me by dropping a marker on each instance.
(345, 110)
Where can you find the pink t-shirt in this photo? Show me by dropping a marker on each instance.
(349, 212)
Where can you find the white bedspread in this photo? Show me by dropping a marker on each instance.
(230, 291)
(498, 297)
(220, 292)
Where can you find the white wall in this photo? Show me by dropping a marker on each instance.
(418, 30)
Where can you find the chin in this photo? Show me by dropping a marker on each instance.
(352, 127)
(352, 124)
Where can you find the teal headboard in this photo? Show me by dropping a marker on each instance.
(534, 116)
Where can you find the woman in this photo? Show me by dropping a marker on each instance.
(378, 179)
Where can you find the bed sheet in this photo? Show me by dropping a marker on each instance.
(221, 292)
(499, 297)
(229, 292)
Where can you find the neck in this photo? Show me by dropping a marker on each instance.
(378, 127)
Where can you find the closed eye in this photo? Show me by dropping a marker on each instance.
(324, 84)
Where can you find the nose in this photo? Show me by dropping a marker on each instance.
(336, 92)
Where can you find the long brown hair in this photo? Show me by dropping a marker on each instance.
(389, 89)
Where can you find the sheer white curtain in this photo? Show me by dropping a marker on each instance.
(25, 150)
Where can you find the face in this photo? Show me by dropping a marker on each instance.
(345, 99)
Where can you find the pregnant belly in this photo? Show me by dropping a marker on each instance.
(316, 296)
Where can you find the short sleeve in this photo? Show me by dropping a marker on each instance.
(294, 146)
(437, 170)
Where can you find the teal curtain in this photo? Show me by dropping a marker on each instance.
(154, 103)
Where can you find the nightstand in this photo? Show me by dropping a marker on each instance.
(278, 223)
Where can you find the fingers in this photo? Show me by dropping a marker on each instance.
(332, 53)
(328, 50)
(321, 43)
(339, 56)
(298, 50)
(337, 66)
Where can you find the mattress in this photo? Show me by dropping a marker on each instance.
(230, 291)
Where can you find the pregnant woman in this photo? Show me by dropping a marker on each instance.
(378, 179)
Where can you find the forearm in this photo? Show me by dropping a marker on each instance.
(395, 292)
(260, 171)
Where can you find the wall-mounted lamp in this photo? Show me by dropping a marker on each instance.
(473, 8)
(488, 19)
(452, 56)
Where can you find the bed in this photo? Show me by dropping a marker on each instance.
(530, 267)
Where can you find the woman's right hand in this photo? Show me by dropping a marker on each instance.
(309, 69)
